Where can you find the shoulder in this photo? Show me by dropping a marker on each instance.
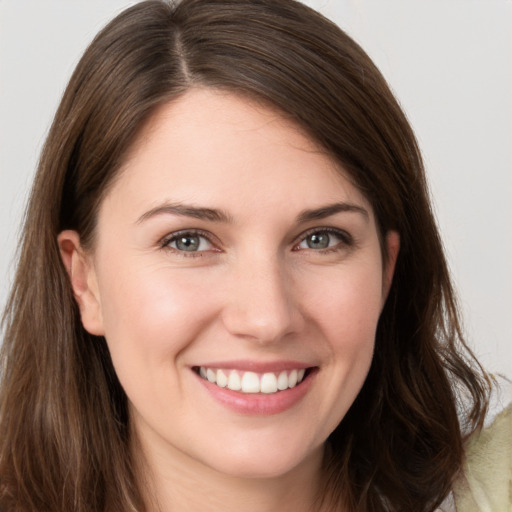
(486, 481)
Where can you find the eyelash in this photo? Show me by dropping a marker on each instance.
(166, 241)
(346, 241)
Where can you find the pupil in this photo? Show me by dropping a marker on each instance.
(187, 243)
(318, 241)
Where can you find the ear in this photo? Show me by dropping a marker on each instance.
(82, 276)
(392, 248)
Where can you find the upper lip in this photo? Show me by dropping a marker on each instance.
(257, 366)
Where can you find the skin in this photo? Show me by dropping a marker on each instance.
(254, 291)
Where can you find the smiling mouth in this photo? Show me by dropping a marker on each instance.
(252, 382)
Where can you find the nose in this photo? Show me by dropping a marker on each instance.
(260, 301)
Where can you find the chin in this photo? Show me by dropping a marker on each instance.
(266, 463)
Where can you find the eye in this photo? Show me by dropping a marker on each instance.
(188, 241)
(322, 239)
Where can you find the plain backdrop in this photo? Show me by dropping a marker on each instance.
(449, 63)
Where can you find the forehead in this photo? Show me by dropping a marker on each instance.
(219, 120)
(209, 146)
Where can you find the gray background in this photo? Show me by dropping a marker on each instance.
(450, 64)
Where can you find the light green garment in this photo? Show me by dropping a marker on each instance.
(486, 485)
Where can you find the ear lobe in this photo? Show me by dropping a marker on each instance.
(82, 276)
(392, 248)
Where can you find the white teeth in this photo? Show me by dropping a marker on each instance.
(252, 382)
(282, 381)
(211, 375)
(222, 380)
(234, 382)
(268, 383)
(292, 379)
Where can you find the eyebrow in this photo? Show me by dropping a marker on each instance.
(216, 215)
(331, 209)
(183, 210)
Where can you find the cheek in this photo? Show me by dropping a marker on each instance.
(153, 310)
(347, 305)
(344, 308)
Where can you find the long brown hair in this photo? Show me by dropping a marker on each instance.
(64, 425)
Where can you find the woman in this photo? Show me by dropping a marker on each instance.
(231, 290)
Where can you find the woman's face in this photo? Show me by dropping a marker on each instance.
(232, 252)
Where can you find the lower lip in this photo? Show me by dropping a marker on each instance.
(260, 404)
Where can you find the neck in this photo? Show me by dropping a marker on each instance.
(175, 482)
